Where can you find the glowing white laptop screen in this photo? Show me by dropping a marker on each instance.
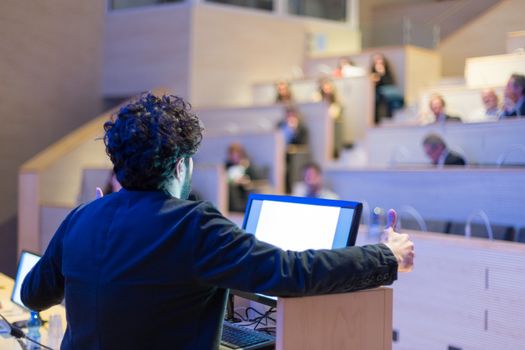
(26, 263)
(293, 223)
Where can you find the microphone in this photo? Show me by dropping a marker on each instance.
(16, 332)
(7, 328)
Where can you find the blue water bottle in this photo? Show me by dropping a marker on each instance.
(33, 331)
(377, 224)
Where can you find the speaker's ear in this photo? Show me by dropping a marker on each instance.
(179, 168)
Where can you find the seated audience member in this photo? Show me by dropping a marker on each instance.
(347, 69)
(312, 185)
(437, 107)
(436, 149)
(514, 105)
(491, 110)
(295, 132)
(327, 93)
(283, 92)
(239, 173)
(296, 138)
(387, 95)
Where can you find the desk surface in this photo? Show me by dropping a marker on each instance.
(13, 313)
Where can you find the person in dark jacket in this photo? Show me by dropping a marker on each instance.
(144, 268)
(293, 128)
(388, 97)
(514, 105)
(436, 149)
(437, 106)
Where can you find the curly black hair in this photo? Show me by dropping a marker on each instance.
(147, 137)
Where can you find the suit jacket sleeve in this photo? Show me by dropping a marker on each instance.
(43, 286)
(226, 256)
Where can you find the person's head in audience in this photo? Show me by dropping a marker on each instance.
(380, 65)
(436, 149)
(236, 155)
(313, 183)
(292, 118)
(515, 88)
(514, 104)
(313, 178)
(283, 92)
(327, 91)
(150, 161)
(347, 68)
(344, 62)
(490, 99)
(437, 106)
(490, 102)
(295, 133)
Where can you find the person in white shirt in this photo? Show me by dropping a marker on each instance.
(490, 111)
(312, 185)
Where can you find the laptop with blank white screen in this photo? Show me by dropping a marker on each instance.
(25, 264)
(299, 223)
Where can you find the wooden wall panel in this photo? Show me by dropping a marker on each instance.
(446, 194)
(50, 70)
(462, 292)
(482, 37)
(227, 57)
(146, 48)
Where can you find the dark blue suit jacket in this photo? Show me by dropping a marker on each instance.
(143, 270)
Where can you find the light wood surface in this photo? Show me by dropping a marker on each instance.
(461, 100)
(147, 47)
(210, 182)
(14, 313)
(493, 70)
(450, 194)
(51, 77)
(209, 53)
(483, 36)
(241, 120)
(466, 293)
(265, 149)
(479, 143)
(516, 41)
(359, 320)
(28, 212)
(413, 67)
(232, 48)
(356, 96)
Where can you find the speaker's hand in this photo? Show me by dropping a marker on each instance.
(99, 193)
(399, 243)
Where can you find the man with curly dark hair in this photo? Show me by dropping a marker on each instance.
(149, 140)
(143, 268)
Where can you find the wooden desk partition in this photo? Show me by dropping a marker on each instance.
(359, 320)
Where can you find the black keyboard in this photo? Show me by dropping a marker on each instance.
(239, 337)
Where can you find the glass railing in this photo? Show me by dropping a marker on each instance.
(400, 31)
(326, 9)
(123, 4)
(254, 4)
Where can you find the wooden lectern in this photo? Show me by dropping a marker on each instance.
(358, 320)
